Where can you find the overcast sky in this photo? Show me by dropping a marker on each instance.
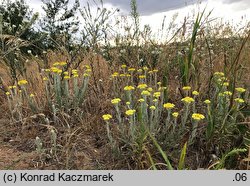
(153, 11)
(148, 7)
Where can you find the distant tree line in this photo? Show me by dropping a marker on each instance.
(55, 28)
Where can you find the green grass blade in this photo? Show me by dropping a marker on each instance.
(162, 153)
(182, 157)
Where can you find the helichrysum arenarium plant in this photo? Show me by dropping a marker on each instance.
(141, 107)
(64, 90)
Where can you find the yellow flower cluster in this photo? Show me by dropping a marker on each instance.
(142, 76)
(130, 112)
(142, 86)
(22, 82)
(12, 87)
(197, 116)
(168, 106)
(145, 93)
(131, 69)
(152, 107)
(207, 101)
(141, 100)
(240, 90)
(157, 94)
(186, 88)
(115, 74)
(195, 93)
(56, 70)
(239, 100)
(150, 89)
(66, 77)
(115, 101)
(228, 93)
(75, 73)
(106, 117)
(187, 100)
(219, 74)
(63, 63)
(128, 88)
(175, 114)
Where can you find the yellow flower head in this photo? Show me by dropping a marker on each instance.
(59, 71)
(115, 74)
(54, 69)
(106, 117)
(142, 77)
(12, 87)
(225, 84)
(7, 93)
(56, 64)
(128, 103)
(186, 88)
(157, 94)
(155, 70)
(128, 75)
(145, 68)
(87, 66)
(219, 74)
(141, 100)
(195, 93)
(85, 75)
(74, 71)
(47, 70)
(159, 83)
(155, 100)
(150, 89)
(239, 100)
(130, 112)
(228, 93)
(88, 70)
(22, 82)
(66, 73)
(32, 95)
(175, 114)
(145, 92)
(142, 86)
(197, 116)
(168, 106)
(115, 101)
(152, 107)
(66, 77)
(75, 75)
(122, 75)
(45, 79)
(139, 70)
(131, 69)
(150, 72)
(240, 90)
(207, 101)
(187, 100)
(129, 88)
(124, 66)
